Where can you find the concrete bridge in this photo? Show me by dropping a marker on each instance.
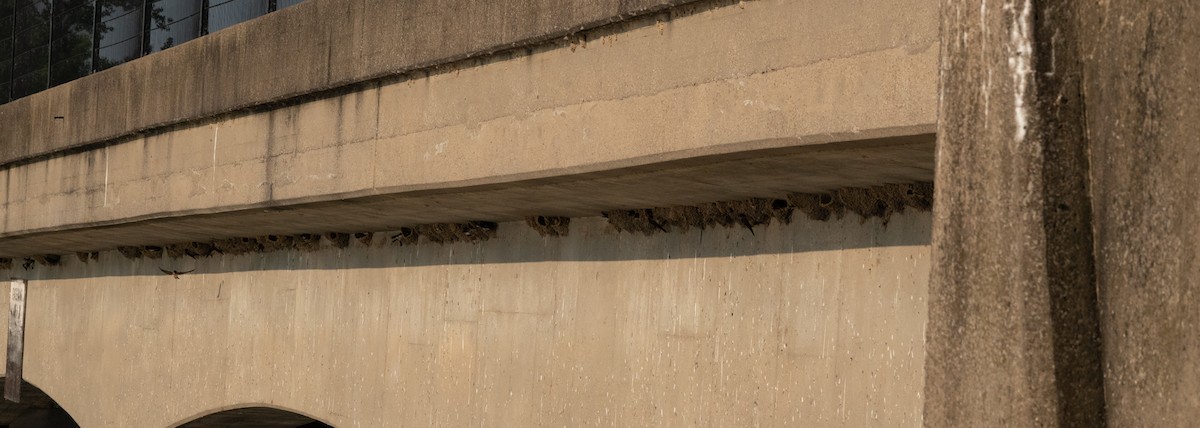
(636, 212)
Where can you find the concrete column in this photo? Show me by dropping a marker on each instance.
(1065, 280)
(1013, 336)
(1142, 85)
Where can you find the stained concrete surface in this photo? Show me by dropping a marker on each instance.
(758, 76)
(1142, 80)
(1064, 287)
(315, 46)
(812, 323)
(772, 173)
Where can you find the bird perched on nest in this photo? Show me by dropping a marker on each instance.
(175, 273)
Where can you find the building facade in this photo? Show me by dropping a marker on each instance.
(634, 212)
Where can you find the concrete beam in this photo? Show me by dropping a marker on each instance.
(763, 76)
(770, 173)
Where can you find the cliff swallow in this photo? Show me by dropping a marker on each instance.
(746, 222)
(175, 273)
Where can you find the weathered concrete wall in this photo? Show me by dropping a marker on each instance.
(718, 80)
(1142, 80)
(810, 324)
(1013, 334)
(318, 45)
(329, 44)
(1064, 287)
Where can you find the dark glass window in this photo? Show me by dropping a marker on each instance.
(30, 38)
(30, 46)
(5, 74)
(119, 32)
(71, 68)
(71, 47)
(47, 42)
(32, 25)
(28, 80)
(6, 8)
(6, 31)
(280, 4)
(63, 5)
(224, 13)
(121, 21)
(6, 23)
(30, 60)
(5, 58)
(31, 13)
(5, 67)
(173, 22)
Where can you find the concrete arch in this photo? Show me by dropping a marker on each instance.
(36, 409)
(252, 415)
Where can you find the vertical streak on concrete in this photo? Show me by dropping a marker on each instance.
(1142, 83)
(14, 368)
(1067, 215)
(1013, 336)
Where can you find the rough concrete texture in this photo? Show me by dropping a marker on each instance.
(806, 324)
(315, 46)
(1013, 332)
(758, 75)
(1063, 291)
(764, 173)
(1142, 80)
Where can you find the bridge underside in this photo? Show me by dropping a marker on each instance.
(605, 120)
(767, 173)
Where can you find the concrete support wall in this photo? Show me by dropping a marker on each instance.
(1143, 119)
(1064, 290)
(808, 324)
(718, 78)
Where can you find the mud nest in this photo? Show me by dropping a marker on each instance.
(199, 249)
(47, 259)
(406, 236)
(680, 218)
(549, 226)
(338, 240)
(5, 263)
(364, 237)
(275, 242)
(879, 201)
(748, 213)
(130, 252)
(194, 250)
(307, 242)
(635, 221)
(237, 246)
(84, 256)
(883, 201)
(442, 233)
(819, 207)
(152, 251)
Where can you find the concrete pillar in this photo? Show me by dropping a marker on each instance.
(1142, 82)
(1065, 275)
